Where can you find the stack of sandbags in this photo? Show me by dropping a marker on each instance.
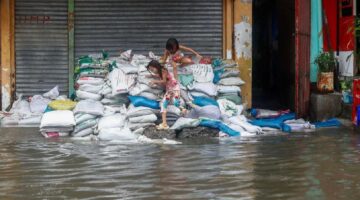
(29, 112)
(116, 89)
(202, 85)
(60, 123)
(91, 73)
(227, 76)
(172, 115)
(229, 109)
(140, 117)
(87, 114)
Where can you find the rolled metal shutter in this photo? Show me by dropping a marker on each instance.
(145, 25)
(41, 46)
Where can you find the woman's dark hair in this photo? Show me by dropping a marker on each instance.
(156, 65)
(172, 45)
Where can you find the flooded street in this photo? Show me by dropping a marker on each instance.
(323, 165)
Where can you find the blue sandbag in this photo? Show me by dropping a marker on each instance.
(329, 123)
(217, 75)
(142, 101)
(204, 101)
(220, 126)
(277, 123)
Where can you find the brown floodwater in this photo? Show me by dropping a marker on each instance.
(321, 165)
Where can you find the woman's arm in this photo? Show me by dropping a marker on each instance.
(184, 48)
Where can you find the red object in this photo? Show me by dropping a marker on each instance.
(330, 12)
(345, 23)
(302, 57)
(356, 97)
(347, 38)
(205, 60)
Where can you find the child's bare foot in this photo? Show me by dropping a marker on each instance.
(162, 126)
(183, 111)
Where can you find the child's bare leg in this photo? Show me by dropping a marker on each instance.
(186, 61)
(175, 70)
(164, 120)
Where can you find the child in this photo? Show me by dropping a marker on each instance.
(172, 94)
(173, 49)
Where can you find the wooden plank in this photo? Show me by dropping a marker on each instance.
(302, 57)
(228, 24)
(7, 52)
(71, 44)
(243, 45)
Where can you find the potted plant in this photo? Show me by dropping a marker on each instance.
(326, 63)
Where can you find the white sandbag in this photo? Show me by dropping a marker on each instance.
(58, 118)
(38, 104)
(139, 88)
(239, 120)
(118, 134)
(243, 133)
(90, 80)
(139, 131)
(53, 93)
(229, 108)
(202, 73)
(135, 126)
(87, 95)
(182, 123)
(107, 101)
(112, 121)
(111, 110)
(152, 56)
(228, 89)
(91, 88)
(121, 82)
(89, 107)
(150, 96)
(106, 89)
(62, 98)
(199, 94)
(210, 112)
(206, 88)
(139, 111)
(143, 119)
(127, 68)
(84, 132)
(36, 120)
(232, 81)
(126, 55)
(86, 124)
(82, 117)
(171, 109)
(230, 73)
(21, 108)
(10, 121)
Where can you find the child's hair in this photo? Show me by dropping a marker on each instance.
(172, 44)
(157, 65)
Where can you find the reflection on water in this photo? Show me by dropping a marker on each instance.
(319, 166)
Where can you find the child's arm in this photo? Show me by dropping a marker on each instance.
(161, 81)
(184, 48)
(165, 56)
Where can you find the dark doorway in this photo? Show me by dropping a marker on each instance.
(273, 54)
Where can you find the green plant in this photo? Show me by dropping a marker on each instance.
(326, 62)
(345, 85)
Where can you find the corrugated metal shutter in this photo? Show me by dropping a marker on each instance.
(41, 46)
(144, 25)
